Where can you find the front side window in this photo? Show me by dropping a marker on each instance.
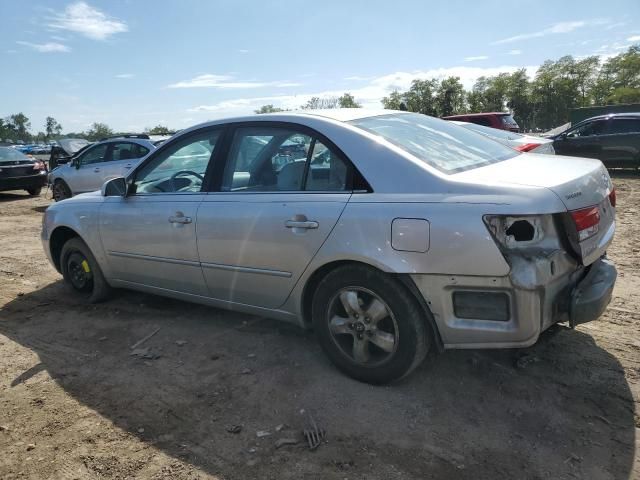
(272, 159)
(96, 154)
(587, 129)
(624, 125)
(180, 166)
(438, 143)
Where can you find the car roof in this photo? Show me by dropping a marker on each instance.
(613, 115)
(484, 114)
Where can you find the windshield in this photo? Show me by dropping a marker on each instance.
(438, 143)
(491, 132)
(7, 153)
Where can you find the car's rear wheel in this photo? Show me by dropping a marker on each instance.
(82, 273)
(61, 190)
(34, 191)
(369, 324)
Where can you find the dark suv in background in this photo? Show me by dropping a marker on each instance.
(499, 120)
(614, 139)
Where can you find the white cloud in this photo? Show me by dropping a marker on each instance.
(227, 81)
(560, 27)
(357, 78)
(45, 47)
(514, 52)
(476, 58)
(635, 38)
(369, 95)
(125, 75)
(86, 20)
(243, 51)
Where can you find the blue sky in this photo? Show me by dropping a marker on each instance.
(133, 64)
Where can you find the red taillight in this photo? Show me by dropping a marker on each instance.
(612, 197)
(526, 147)
(38, 165)
(587, 221)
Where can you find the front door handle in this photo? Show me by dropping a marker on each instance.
(180, 218)
(128, 166)
(307, 224)
(97, 169)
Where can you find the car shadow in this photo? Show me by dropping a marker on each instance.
(9, 196)
(559, 409)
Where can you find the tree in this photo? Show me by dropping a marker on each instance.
(158, 130)
(18, 126)
(315, 103)
(52, 127)
(450, 97)
(394, 101)
(348, 101)
(269, 109)
(98, 131)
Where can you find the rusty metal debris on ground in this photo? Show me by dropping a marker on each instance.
(314, 435)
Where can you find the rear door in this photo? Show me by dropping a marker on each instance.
(87, 173)
(582, 141)
(123, 157)
(149, 237)
(280, 192)
(621, 142)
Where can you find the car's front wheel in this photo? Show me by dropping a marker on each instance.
(82, 273)
(369, 324)
(60, 190)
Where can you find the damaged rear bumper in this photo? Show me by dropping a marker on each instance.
(593, 293)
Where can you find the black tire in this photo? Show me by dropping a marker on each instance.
(34, 191)
(85, 279)
(405, 320)
(61, 190)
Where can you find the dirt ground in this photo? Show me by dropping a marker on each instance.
(74, 402)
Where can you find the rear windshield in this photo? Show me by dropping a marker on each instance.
(508, 120)
(443, 145)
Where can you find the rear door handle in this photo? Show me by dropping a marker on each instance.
(128, 166)
(308, 224)
(97, 169)
(180, 218)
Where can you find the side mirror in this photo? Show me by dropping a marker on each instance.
(116, 187)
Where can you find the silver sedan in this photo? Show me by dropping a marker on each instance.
(388, 233)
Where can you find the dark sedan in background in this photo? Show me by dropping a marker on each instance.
(614, 139)
(20, 172)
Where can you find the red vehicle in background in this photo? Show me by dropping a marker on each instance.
(499, 120)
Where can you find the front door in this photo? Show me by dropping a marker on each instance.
(282, 192)
(149, 237)
(581, 141)
(85, 174)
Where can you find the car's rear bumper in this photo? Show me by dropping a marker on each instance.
(22, 183)
(512, 311)
(591, 296)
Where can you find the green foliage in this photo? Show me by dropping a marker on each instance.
(159, 130)
(543, 102)
(98, 131)
(269, 109)
(52, 127)
(348, 101)
(316, 103)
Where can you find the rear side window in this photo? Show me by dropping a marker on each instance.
(127, 151)
(587, 129)
(624, 125)
(484, 121)
(272, 159)
(438, 143)
(508, 121)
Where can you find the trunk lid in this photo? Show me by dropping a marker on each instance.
(16, 168)
(578, 182)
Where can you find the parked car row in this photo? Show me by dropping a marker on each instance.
(392, 234)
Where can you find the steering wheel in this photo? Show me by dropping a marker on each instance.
(188, 172)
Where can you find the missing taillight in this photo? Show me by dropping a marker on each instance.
(612, 197)
(587, 221)
(521, 231)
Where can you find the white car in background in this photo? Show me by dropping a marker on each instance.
(522, 143)
(91, 167)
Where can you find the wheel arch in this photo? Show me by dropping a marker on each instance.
(405, 279)
(57, 239)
